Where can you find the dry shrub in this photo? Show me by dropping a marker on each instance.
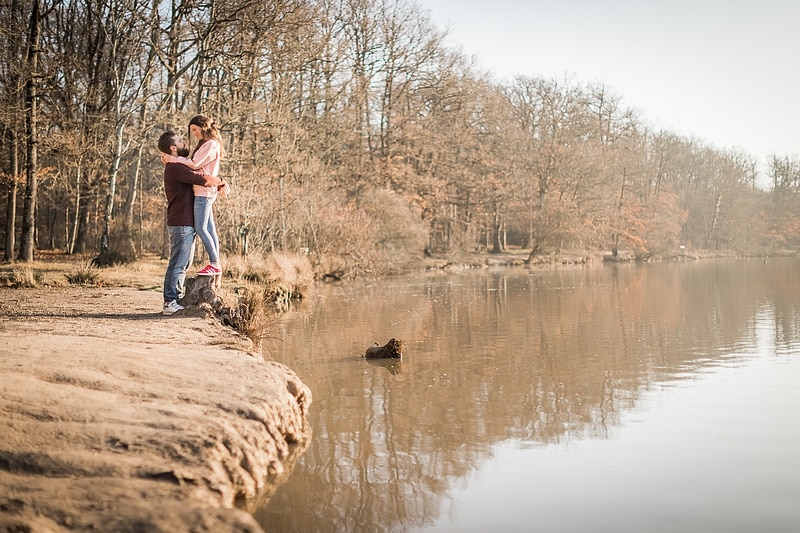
(113, 257)
(249, 313)
(399, 233)
(285, 276)
(22, 277)
(252, 268)
(121, 249)
(292, 275)
(381, 234)
(86, 274)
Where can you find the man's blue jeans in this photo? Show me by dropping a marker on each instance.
(181, 252)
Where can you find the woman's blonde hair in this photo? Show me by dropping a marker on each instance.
(208, 130)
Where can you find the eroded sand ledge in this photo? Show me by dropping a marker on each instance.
(114, 418)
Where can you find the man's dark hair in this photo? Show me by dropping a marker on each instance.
(167, 139)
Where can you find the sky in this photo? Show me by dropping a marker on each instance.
(726, 72)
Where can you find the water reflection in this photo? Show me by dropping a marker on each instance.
(394, 366)
(540, 357)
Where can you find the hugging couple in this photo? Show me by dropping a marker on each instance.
(191, 185)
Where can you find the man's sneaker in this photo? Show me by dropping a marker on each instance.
(170, 308)
(209, 270)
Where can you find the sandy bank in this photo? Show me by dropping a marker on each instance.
(115, 418)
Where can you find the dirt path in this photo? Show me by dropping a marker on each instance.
(116, 418)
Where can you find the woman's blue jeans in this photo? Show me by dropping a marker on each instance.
(205, 228)
(181, 252)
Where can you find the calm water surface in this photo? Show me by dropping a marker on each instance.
(612, 398)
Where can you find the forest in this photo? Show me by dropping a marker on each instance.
(353, 134)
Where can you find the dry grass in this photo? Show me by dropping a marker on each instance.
(52, 269)
(268, 285)
(87, 274)
(283, 276)
(248, 312)
(148, 272)
(292, 276)
(21, 277)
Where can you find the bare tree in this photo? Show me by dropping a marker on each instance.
(28, 243)
(11, 112)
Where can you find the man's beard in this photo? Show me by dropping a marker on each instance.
(183, 152)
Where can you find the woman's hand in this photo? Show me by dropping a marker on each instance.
(166, 158)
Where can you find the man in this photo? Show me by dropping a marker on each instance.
(178, 181)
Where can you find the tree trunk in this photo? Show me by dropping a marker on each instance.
(130, 203)
(496, 228)
(714, 221)
(619, 221)
(27, 243)
(11, 214)
(130, 200)
(11, 198)
(73, 233)
(282, 213)
(82, 226)
(112, 189)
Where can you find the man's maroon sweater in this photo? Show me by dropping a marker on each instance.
(178, 181)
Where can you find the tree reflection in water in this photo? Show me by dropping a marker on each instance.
(537, 356)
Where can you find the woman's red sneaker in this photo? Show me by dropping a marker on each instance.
(209, 270)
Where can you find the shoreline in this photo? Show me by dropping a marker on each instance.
(116, 418)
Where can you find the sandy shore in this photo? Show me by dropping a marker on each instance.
(116, 418)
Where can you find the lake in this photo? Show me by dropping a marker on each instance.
(655, 397)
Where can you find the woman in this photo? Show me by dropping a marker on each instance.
(206, 157)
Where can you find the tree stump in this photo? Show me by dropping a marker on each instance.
(200, 290)
(202, 293)
(391, 350)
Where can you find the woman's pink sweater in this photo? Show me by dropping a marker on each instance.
(206, 159)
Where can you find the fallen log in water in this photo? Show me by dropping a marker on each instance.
(391, 350)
